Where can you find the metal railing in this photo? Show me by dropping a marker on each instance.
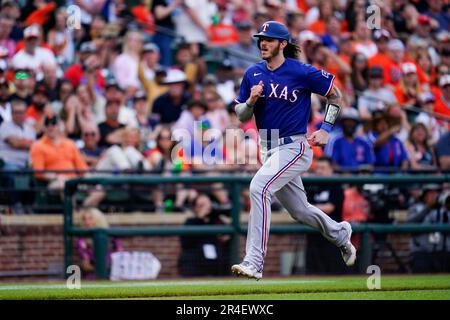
(235, 229)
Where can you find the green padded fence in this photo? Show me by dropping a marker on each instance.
(235, 229)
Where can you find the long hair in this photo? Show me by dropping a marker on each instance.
(292, 50)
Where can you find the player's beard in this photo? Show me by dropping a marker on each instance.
(270, 54)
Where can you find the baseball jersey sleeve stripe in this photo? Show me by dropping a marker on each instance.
(331, 86)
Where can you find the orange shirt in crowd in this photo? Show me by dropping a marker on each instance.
(223, 34)
(355, 207)
(319, 27)
(41, 15)
(382, 60)
(45, 155)
(33, 113)
(441, 108)
(400, 94)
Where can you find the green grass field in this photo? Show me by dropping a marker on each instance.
(316, 288)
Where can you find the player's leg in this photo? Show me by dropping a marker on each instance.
(278, 170)
(293, 197)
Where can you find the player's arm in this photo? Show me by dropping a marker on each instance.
(334, 101)
(244, 111)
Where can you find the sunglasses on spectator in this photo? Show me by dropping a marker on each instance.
(89, 134)
(50, 122)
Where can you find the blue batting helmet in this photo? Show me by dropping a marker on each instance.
(275, 30)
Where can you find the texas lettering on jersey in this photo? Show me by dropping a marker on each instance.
(286, 102)
(284, 93)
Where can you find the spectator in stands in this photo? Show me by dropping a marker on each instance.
(222, 32)
(150, 60)
(423, 30)
(421, 153)
(124, 157)
(389, 150)
(422, 260)
(111, 128)
(125, 67)
(76, 114)
(146, 124)
(167, 159)
(436, 11)
(164, 13)
(203, 255)
(195, 112)
(189, 61)
(50, 80)
(295, 20)
(382, 58)
(350, 151)
(76, 72)
(443, 151)
(6, 25)
(108, 44)
(193, 21)
(325, 12)
(247, 46)
(426, 102)
(55, 152)
(331, 37)
(39, 108)
(16, 138)
(376, 96)
(168, 107)
(216, 113)
(360, 73)
(408, 89)
(205, 153)
(23, 85)
(61, 41)
(113, 92)
(396, 51)
(442, 105)
(93, 218)
(91, 151)
(322, 257)
(362, 40)
(33, 56)
(5, 105)
(64, 90)
(153, 88)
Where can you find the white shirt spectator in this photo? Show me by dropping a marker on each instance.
(187, 28)
(127, 116)
(23, 60)
(8, 153)
(376, 100)
(5, 112)
(125, 70)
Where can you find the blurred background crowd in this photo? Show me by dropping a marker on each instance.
(106, 86)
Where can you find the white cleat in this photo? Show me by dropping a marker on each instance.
(245, 269)
(348, 250)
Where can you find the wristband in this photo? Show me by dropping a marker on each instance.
(331, 115)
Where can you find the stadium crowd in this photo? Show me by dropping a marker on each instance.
(130, 82)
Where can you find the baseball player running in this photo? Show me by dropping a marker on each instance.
(278, 91)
